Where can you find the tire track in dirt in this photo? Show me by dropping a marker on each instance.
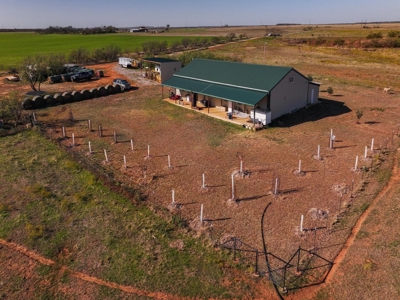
(82, 276)
(388, 189)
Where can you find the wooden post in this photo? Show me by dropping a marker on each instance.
(90, 148)
(89, 125)
(301, 223)
(34, 117)
(366, 152)
(299, 165)
(241, 167)
(73, 140)
(169, 162)
(124, 161)
(233, 187)
(356, 164)
(173, 196)
(100, 131)
(132, 145)
(148, 151)
(115, 137)
(204, 181)
(201, 214)
(63, 132)
(276, 186)
(105, 155)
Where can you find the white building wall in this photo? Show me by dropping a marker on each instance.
(289, 95)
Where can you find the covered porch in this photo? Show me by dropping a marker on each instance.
(219, 112)
(239, 105)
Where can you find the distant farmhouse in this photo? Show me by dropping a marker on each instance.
(253, 92)
(151, 29)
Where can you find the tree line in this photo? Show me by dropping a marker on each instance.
(73, 30)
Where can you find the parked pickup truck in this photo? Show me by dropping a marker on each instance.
(122, 83)
(81, 76)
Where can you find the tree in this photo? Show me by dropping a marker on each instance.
(167, 27)
(56, 64)
(230, 36)
(79, 56)
(35, 70)
(11, 108)
(186, 42)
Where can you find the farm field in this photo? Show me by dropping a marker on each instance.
(20, 45)
(197, 144)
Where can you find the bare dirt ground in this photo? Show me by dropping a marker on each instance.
(195, 148)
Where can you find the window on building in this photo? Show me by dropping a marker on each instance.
(291, 79)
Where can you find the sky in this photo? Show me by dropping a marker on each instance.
(191, 13)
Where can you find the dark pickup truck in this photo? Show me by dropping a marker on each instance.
(81, 76)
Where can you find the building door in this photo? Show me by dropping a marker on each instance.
(312, 96)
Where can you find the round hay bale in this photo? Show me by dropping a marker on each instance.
(102, 91)
(94, 92)
(54, 79)
(27, 103)
(59, 98)
(110, 89)
(117, 89)
(67, 97)
(50, 101)
(86, 95)
(66, 77)
(99, 73)
(39, 102)
(77, 96)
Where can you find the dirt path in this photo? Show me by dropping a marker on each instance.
(45, 261)
(388, 189)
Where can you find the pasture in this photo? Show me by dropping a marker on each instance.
(17, 46)
(199, 145)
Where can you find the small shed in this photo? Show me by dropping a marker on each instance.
(164, 68)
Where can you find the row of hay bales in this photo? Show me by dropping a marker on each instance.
(69, 97)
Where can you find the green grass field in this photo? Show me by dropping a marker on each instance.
(55, 205)
(16, 46)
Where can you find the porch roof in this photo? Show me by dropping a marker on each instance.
(225, 92)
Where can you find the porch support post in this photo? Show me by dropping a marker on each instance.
(254, 115)
(162, 92)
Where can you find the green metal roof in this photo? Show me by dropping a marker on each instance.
(250, 76)
(159, 60)
(238, 82)
(231, 93)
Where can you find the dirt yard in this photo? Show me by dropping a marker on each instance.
(328, 192)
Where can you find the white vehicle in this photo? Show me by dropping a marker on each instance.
(125, 62)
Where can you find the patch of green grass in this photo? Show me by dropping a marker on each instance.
(82, 226)
(383, 176)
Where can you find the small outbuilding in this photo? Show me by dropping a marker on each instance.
(161, 69)
(260, 93)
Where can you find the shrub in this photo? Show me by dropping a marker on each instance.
(393, 34)
(34, 232)
(338, 42)
(329, 90)
(359, 114)
(375, 35)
